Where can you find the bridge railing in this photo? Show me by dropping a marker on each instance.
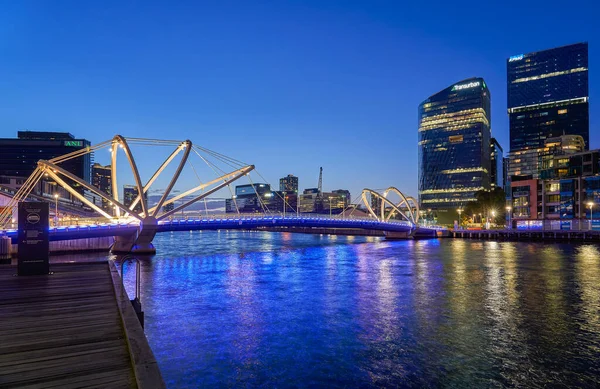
(101, 222)
(288, 216)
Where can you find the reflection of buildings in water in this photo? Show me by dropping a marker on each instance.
(240, 284)
(502, 307)
(457, 277)
(553, 296)
(376, 295)
(587, 272)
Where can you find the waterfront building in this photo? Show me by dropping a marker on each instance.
(496, 164)
(289, 184)
(102, 179)
(454, 148)
(345, 194)
(334, 202)
(570, 180)
(547, 97)
(19, 157)
(250, 198)
(308, 200)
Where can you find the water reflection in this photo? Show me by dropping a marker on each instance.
(260, 309)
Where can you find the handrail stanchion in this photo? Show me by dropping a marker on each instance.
(136, 302)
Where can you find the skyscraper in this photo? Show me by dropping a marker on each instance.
(496, 164)
(454, 147)
(547, 98)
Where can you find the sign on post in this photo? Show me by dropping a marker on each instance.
(33, 239)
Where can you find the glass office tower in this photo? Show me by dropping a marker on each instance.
(497, 164)
(547, 98)
(454, 147)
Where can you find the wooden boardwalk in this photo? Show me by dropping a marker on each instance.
(63, 330)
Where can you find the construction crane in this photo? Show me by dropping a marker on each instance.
(319, 199)
(320, 187)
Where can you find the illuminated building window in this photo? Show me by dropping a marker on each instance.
(456, 139)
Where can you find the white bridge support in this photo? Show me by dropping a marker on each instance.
(407, 208)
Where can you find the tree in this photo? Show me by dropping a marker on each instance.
(490, 204)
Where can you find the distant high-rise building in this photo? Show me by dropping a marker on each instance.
(250, 198)
(130, 193)
(496, 164)
(101, 179)
(345, 194)
(288, 184)
(454, 147)
(547, 97)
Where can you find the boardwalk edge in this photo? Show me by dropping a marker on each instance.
(145, 368)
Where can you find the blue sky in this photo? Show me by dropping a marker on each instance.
(286, 85)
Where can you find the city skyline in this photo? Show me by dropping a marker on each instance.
(285, 98)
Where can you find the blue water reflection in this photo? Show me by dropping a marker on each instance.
(259, 309)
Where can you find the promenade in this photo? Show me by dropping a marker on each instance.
(539, 235)
(71, 329)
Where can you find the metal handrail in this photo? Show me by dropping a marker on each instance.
(138, 282)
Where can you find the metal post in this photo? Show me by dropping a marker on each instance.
(55, 209)
(590, 204)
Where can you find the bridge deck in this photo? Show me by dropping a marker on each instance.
(62, 330)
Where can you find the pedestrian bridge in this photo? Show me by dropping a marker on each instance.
(230, 222)
(135, 223)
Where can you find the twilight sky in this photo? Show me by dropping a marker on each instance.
(286, 85)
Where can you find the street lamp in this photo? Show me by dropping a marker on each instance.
(459, 210)
(494, 216)
(591, 205)
(509, 209)
(284, 200)
(330, 205)
(55, 209)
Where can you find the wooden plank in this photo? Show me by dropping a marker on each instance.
(62, 330)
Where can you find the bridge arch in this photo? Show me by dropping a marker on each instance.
(413, 210)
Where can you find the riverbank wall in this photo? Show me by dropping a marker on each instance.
(529, 235)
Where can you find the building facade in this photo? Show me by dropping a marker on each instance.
(496, 164)
(19, 157)
(561, 198)
(547, 97)
(250, 198)
(130, 193)
(454, 148)
(102, 179)
(289, 184)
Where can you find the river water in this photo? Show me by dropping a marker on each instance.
(260, 309)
